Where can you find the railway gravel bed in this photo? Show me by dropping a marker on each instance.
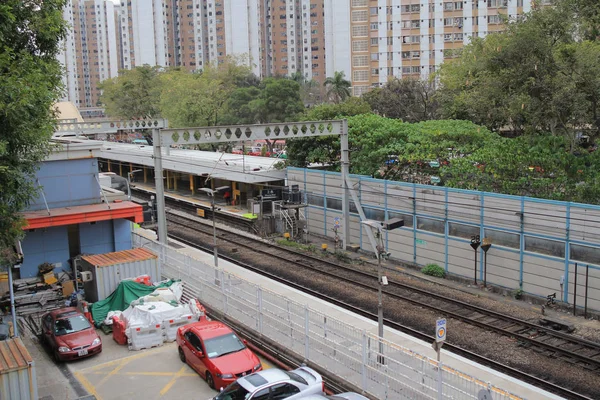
(492, 345)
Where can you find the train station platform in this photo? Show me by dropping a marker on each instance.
(465, 366)
(200, 200)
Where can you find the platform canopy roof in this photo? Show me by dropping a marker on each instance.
(233, 167)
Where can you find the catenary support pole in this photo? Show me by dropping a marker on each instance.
(160, 190)
(345, 180)
(380, 252)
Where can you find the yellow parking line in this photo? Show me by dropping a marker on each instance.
(87, 385)
(121, 360)
(121, 365)
(266, 365)
(172, 381)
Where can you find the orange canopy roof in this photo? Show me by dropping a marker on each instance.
(80, 214)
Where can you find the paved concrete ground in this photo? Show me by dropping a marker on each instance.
(118, 373)
(147, 374)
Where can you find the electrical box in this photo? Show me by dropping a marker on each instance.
(392, 224)
(86, 276)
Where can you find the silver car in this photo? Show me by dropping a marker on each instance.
(272, 384)
(341, 396)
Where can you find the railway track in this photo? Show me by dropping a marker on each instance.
(553, 344)
(532, 379)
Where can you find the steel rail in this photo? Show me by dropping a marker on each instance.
(575, 341)
(539, 382)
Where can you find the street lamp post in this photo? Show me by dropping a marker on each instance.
(211, 193)
(382, 279)
(129, 175)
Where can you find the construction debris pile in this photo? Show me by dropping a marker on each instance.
(38, 294)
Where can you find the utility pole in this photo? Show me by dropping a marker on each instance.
(161, 215)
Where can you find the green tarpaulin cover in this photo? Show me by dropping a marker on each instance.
(119, 300)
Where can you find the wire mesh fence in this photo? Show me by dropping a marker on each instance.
(349, 353)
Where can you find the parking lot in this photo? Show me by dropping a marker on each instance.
(118, 373)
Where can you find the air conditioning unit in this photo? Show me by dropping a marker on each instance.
(86, 276)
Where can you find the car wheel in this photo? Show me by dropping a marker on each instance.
(56, 357)
(181, 355)
(210, 380)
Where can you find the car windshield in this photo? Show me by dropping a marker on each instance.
(233, 392)
(221, 345)
(71, 324)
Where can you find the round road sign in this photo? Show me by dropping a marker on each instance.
(440, 330)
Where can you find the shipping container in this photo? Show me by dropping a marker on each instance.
(107, 270)
(17, 371)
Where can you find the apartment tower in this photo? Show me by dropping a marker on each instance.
(89, 53)
(398, 38)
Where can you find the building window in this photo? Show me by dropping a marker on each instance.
(374, 41)
(360, 76)
(360, 61)
(374, 10)
(360, 45)
(493, 19)
(359, 16)
(360, 31)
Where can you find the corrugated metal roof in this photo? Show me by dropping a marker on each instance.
(13, 356)
(119, 257)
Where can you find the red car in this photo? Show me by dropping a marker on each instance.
(216, 353)
(69, 334)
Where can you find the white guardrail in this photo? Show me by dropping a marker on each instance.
(334, 345)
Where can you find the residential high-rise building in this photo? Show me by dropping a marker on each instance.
(89, 52)
(397, 38)
(370, 41)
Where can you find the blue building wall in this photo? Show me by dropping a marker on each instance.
(45, 245)
(96, 238)
(52, 245)
(67, 183)
(122, 234)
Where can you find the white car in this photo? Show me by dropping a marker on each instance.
(274, 384)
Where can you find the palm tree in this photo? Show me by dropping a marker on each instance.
(338, 87)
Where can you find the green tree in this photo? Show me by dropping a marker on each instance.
(30, 83)
(279, 101)
(311, 92)
(338, 87)
(587, 14)
(133, 94)
(408, 99)
(325, 149)
(199, 99)
(536, 77)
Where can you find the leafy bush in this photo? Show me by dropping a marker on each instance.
(517, 293)
(434, 270)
